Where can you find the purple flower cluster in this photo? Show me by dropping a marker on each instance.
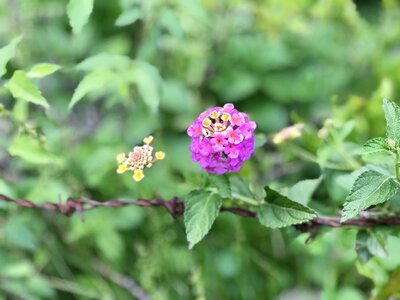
(222, 139)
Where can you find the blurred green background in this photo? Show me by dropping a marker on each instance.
(150, 67)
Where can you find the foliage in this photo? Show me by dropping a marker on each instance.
(85, 80)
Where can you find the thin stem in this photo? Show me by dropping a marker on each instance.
(242, 198)
(397, 165)
(245, 199)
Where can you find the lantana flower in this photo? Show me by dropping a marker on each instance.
(139, 158)
(222, 139)
(288, 133)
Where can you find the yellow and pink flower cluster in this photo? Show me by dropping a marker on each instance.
(139, 158)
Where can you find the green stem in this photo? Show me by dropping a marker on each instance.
(397, 165)
(242, 198)
(245, 199)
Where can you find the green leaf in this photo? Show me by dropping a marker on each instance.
(279, 211)
(128, 17)
(8, 52)
(345, 129)
(369, 244)
(302, 191)
(79, 12)
(18, 231)
(21, 87)
(43, 70)
(239, 186)
(91, 82)
(20, 110)
(375, 145)
(221, 182)
(201, 210)
(147, 79)
(30, 150)
(6, 189)
(392, 115)
(361, 246)
(110, 243)
(377, 151)
(370, 188)
(104, 61)
(259, 140)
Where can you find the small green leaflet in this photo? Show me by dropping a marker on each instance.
(8, 52)
(147, 80)
(21, 87)
(93, 81)
(302, 191)
(78, 12)
(104, 60)
(377, 151)
(392, 115)
(201, 210)
(370, 188)
(221, 183)
(361, 246)
(369, 244)
(239, 186)
(29, 149)
(279, 211)
(128, 17)
(43, 70)
(375, 145)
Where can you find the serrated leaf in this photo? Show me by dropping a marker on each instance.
(221, 183)
(21, 87)
(43, 70)
(8, 52)
(370, 188)
(374, 145)
(78, 12)
(376, 150)
(91, 82)
(201, 210)
(279, 211)
(302, 191)
(128, 17)
(392, 115)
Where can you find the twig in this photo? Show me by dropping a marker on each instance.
(123, 281)
(175, 208)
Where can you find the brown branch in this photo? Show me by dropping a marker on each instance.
(175, 208)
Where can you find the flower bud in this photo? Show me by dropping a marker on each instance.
(391, 143)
